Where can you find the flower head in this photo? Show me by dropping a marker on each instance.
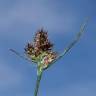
(41, 49)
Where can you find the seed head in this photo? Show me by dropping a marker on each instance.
(41, 45)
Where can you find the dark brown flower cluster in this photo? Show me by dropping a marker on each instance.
(40, 44)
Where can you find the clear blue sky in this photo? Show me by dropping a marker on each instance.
(73, 75)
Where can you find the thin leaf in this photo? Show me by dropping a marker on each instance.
(21, 56)
(66, 50)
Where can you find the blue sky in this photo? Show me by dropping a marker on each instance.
(73, 75)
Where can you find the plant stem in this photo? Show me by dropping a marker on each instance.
(38, 83)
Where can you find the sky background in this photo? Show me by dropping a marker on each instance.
(73, 75)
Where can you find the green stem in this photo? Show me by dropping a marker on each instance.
(38, 83)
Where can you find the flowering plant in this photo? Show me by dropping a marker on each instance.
(41, 53)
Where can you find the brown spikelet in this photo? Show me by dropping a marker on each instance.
(29, 49)
(41, 42)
